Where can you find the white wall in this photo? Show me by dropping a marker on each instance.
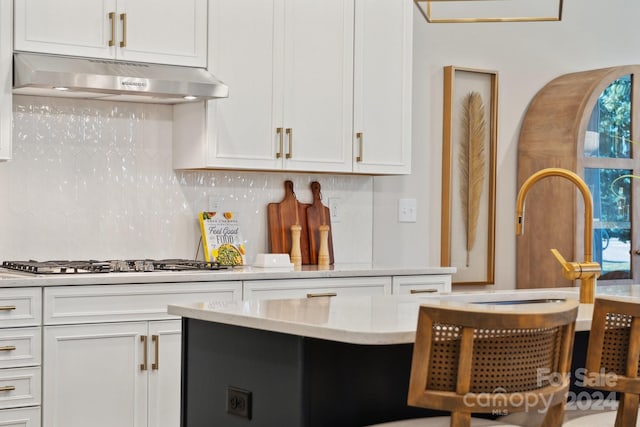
(592, 34)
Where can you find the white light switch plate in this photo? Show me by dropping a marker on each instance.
(335, 209)
(407, 210)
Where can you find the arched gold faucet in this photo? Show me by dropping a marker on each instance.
(588, 270)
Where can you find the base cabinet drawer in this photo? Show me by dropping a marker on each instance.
(425, 284)
(122, 303)
(20, 417)
(20, 387)
(20, 307)
(309, 288)
(20, 347)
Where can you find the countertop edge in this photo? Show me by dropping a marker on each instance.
(295, 328)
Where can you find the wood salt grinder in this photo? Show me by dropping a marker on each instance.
(323, 251)
(296, 255)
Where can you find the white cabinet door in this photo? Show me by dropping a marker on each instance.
(92, 375)
(318, 85)
(289, 67)
(245, 51)
(6, 76)
(67, 27)
(164, 373)
(162, 31)
(382, 86)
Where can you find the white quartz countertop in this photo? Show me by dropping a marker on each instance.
(377, 320)
(17, 279)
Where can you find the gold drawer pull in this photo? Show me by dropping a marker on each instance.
(360, 147)
(156, 341)
(280, 142)
(7, 348)
(143, 365)
(123, 18)
(322, 294)
(423, 291)
(112, 18)
(7, 388)
(289, 132)
(7, 307)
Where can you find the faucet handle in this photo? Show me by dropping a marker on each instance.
(570, 270)
(577, 270)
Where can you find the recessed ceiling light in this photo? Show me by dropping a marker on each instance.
(190, 97)
(61, 88)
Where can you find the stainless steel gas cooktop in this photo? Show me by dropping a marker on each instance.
(111, 266)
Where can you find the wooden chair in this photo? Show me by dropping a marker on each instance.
(613, 356)
(493, 360)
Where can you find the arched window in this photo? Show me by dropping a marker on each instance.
(584, 122)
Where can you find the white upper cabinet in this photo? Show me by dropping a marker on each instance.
(5, 79)
(158, 31)
(318, 85)
(289, 67)
(382, 86)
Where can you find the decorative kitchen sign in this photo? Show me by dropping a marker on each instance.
(221, 238)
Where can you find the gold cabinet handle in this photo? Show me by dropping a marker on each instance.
(7, 348)
(112, 18)
(156, 341)
(423, 291)
(280, 142)
(360, 147)
(289, 132)
(143, 365)
(7, 307)
(123, 18)
(7, 388)
(322, 294)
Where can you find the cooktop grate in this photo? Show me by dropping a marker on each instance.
(111, 266)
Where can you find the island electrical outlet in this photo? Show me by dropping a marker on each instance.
(239, 402)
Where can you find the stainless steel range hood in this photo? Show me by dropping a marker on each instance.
(63, 76)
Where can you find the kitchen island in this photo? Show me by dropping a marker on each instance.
(341, 361)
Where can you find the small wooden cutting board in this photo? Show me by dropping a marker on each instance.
(317, 215)
(281, 216)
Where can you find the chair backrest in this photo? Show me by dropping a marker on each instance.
(613, 354)
(492, 359)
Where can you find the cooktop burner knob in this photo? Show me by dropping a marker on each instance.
(119, 266)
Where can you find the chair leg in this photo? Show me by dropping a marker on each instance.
(554, 416)
(627, 414)
(460, 419)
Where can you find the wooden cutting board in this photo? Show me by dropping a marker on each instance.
(281, 216)
(317, 215)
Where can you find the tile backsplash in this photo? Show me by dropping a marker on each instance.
(93, 179)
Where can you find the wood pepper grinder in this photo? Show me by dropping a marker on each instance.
(296, 253)
(323, 252)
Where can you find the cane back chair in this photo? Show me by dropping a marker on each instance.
(491, 359)
(613, 357)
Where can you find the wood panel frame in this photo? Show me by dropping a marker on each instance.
(481, 268)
